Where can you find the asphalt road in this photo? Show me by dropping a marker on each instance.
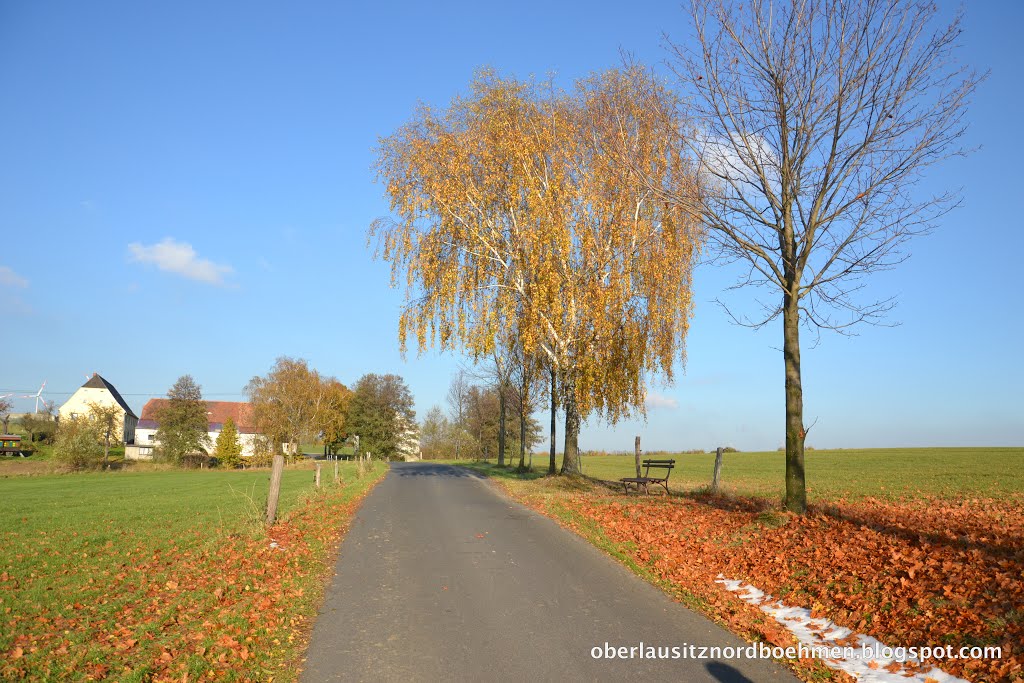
(441, 578)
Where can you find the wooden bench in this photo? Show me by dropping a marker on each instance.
(646, 480)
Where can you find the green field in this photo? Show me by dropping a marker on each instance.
(89, 555)
(831, 474)
(166, 503)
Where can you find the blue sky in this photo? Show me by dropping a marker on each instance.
(233, 143)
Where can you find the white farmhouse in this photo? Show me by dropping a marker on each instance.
(217, 413)
(99, 391)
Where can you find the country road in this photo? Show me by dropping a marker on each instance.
(441, 578)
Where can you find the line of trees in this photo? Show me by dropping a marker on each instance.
(294, 404)
(485, 420)
(563, 226)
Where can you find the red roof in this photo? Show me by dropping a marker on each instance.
(217, 412)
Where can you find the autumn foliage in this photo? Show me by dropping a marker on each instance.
(511, 208)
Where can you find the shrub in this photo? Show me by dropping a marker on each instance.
(228, 450)
(259, 459)
(77, 445)
(262, 452)
(194, 461)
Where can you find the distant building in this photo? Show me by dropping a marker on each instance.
(409, 440)
(217, 413)
(99, 391)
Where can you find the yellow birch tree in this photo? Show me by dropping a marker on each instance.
(510, 208)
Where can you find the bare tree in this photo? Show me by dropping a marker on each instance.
(437, 440)
(816, 120)
(501, 373)
(458, 392)
(526, 380)
(6, 404)
(495, 371)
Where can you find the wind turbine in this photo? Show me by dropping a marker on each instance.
(38, 396)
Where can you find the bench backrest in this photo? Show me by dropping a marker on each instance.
(666, 465)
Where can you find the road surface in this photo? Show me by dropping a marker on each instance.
(442, 578)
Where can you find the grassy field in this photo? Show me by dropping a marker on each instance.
(847, 473)
(130, 575)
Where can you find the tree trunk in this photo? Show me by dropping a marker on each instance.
(275, 488)
(571, 452)
(551, 464)
(717, 474)
(522, 443)
(524, 405)
(106, 453)
(796, 493)
(522, 435)
(501, 425)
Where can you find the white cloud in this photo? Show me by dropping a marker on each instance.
(180, 258)
(656, 400)
(735, 160)
(9, 278)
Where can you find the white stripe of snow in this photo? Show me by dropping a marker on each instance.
(822, 633)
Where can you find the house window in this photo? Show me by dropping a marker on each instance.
(151, 437)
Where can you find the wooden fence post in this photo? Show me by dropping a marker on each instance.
(335, 469)
(636, 455)
(316, 477)
(716, 477)
(275, 488)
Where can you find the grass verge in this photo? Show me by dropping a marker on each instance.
(910, 572)
(164, 575)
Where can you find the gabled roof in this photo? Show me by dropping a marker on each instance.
(97, 382)
(217, 412)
